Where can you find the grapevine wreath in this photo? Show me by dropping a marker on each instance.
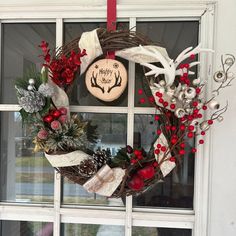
(179, 102)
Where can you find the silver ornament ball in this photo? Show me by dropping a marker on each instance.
(219, 76)
(229, 61)
(31, 81)
(30, 87)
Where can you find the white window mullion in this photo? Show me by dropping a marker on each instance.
(57, 176)
(203, 157)
(130, 131)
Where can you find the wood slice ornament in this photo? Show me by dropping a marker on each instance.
(106, 79)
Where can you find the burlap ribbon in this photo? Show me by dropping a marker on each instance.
(105, 181)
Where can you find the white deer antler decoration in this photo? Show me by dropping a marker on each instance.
(170, 67)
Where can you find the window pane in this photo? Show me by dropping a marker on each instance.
(21, 52)
(92, 230)
(177, 188)
(174, 36)
(25, 176)
(151, 231)
(26, 228)
(80, 95)
(111, 136)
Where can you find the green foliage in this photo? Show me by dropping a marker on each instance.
(121, 159)
(30, 73)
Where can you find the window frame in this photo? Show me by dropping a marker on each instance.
(127, 216)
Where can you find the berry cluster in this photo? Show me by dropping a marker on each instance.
(62, 68)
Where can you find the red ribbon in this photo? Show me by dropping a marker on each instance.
(111, 21)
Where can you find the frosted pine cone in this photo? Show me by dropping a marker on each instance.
(46, 90)
(101, 158)
(88, 168)
(32, 102)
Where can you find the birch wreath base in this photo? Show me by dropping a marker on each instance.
(177, 97)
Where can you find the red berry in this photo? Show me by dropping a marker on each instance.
(193, 150)
(182, 119)
(181, 151)
(185, 75)
(48, 119)
(147, 172)
(199, 115)
(201, 141)
(198, 90)
(168, 127)
(210, 122)
(203, 133)
(182, 127)
(158, 94)
(165, 104)
(157, 151)
(133, 161)
(63, 110)
(56, 114)
(158, 145)
(142, 100)
(173, 128)
(204, 107)
(161, 100)
(139, 157)
(151, 99)
(181, 66)
(190, 117)
(182, 145)
(172, 159)
(195, 104)
(191, 128)
(158, 131)
(157, 117)
(190, 134)
(192, 57)
(187, 65)
(172, 106)
(155, 164)
(163, 148)
(136, 183)
(137, 152)
(174, 140)
(140, 91)
(195, 111)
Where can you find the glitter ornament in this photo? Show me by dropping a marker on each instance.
(31, 81)
(32, 101)
(30, 87)
(46, 89)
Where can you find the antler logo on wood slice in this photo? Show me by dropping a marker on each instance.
(106, 79)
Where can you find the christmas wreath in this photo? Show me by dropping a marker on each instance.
(178, 99)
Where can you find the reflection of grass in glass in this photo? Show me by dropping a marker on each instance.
(81, 230)
(89, 201)
(36, 198)
(23, 177)
(32, 161)
(144, 231)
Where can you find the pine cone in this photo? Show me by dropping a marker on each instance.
(88, 168)
(101, 158)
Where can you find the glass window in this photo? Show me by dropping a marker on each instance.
(92, 230)
(26, 228)
(151, 231)
(177, 188)
(21, 52)
(25, 176)
(111, 136)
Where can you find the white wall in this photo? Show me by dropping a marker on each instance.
(223, 187)
(222, 219)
